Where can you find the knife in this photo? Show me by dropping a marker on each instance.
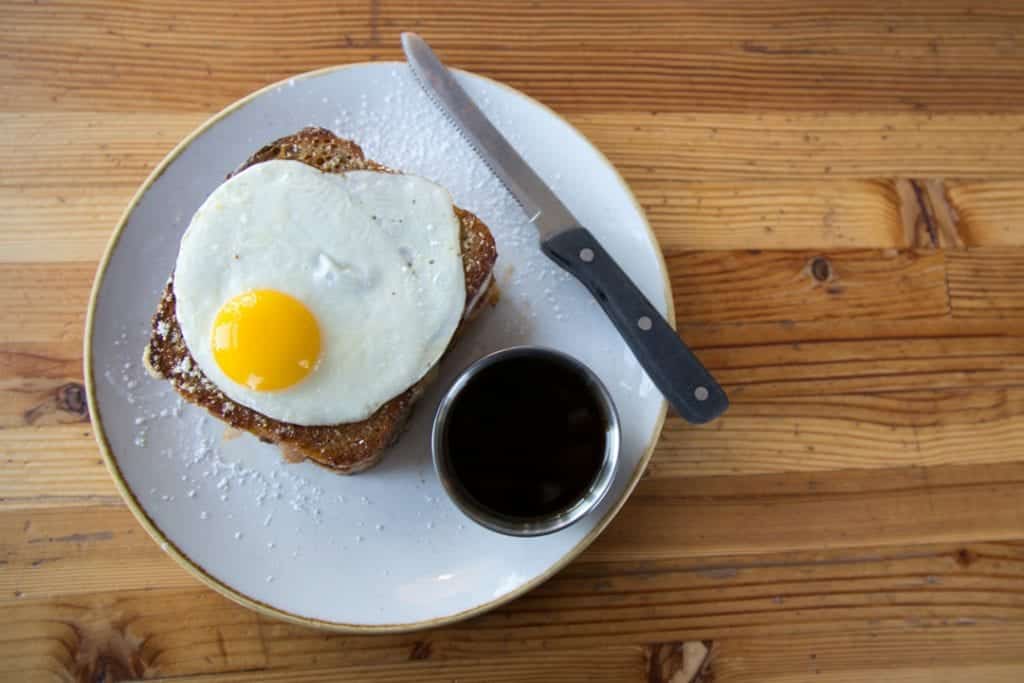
(678, 374)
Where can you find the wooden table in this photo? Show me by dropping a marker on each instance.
(840, 196)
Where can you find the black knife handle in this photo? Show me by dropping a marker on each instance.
(673, 368)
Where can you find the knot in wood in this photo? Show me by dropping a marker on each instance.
(421, 649)
(965, 557)
(71, 399)
(821, 270)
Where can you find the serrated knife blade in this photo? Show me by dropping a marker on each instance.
(678, 374)
(543, 208)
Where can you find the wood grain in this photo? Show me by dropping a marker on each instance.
(919, 654)
(763, 436)
(770, 145)
(963, 596)
(806, 397)
(987, 283)
(659, 147)
(755, 286)
(769, 214)
(840, 196)
(991, 211)
(81, 168)
(50, 552)
(812, 367)
(44, 303)
(695, 57)
(848, 431)
(63, 462)
(617, 664)
(815, 510)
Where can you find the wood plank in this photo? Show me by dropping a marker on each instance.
(62, 225)
(991, 212)
(987, 282)
(753, 286)
(54, 466)
(68, 211)
(779, 146)
(957, 671)
(915, 655)
(48, 552)
(40, 384)
(822, 396)
(951, 655)
(706, 181)
(79, 219)
(806, 397)
(853, 508)
(70, 150)
(769, 214)
(963, 596)
(686, 215)
(862, 431)
(854, 394)
(60, 466)
(70, 155)
(789, 360)
(44, 302)
(51, 553)
(613, 665)
(679, 57)
(924, 673)
(74, 223)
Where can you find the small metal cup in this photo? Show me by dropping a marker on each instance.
(527, 526)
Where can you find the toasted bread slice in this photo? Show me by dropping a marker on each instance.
(347, 448)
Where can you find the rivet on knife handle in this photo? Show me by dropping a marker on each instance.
(673, 368)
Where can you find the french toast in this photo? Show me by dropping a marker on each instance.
(345, 448)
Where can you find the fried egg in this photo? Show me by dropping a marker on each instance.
(314, 298)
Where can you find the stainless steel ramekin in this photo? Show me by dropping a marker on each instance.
(527, 526)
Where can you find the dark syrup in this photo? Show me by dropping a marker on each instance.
(526, 437)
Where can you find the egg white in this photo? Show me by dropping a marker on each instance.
(374, 256)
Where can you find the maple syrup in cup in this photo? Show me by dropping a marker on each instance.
(526, 441)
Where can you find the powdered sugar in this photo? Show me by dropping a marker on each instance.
(183, 366)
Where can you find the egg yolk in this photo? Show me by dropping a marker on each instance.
(265, 339)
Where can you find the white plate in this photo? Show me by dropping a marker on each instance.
(383, 550)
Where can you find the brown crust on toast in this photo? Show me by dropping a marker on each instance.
(346, 448)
